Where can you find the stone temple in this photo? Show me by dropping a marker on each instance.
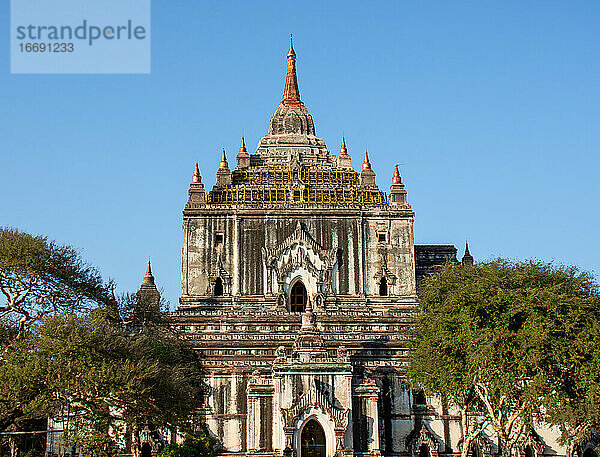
(299, 284)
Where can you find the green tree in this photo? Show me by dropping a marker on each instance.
(39, 277)
(198, 443)
(500, 339)
(105, 380)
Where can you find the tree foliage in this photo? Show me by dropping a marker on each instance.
(39, 277)
(198, 443)
(103, 379)
(502, 339)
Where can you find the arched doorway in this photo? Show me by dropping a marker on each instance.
(383, 287)
(298, 298)
(424, 451)
(218, 287)
(146, 450)
(529, 451)
(589, 452)
(312, 440)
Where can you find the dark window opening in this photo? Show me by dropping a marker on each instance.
(419, 398)
(298, 298)
(219, 239)
(424, 451)
(296, 195)
(146, 450)
(529, 451)
(312, 441)
(589, 452)
(383, 287)
(218, 287)
(381, 237)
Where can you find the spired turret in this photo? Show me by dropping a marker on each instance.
(148, 295)
(197, 194)
(467, 258)
(243, 158)
(344, 159)
(223, 173)
(367, 175)
(397, 197)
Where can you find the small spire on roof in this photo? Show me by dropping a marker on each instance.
(243, 146)
(112, 297)
(196, 178)
(396, 179)
(467, 258)
(308, 307)
(366, 163)
(148, 278)
(223, 163)
(343, 149)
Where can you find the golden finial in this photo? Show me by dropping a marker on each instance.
(366, 163)
(223, 163)
(197, 178)
(396, 179)
(291, 52)
(343, 150)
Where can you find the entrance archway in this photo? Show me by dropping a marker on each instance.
(218, 287)
(312, 440)
(298, 298)
(146, 450)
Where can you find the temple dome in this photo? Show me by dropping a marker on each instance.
(291, 119)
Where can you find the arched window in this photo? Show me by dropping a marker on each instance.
(298, 298)
(419, 398)
(529, 452)
(424, 451)
(383, 287)
(218, 287)
(589, 452)
(312, 440)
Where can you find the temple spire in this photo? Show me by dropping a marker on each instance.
(344, 160)
(197, 178)
(148, 278)
(243, 158)
(291, 94)
(223, 163)
(366, 163)
(396, 179)
(467, 258)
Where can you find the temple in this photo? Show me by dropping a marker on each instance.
(299, 285)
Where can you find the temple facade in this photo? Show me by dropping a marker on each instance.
(299, 285)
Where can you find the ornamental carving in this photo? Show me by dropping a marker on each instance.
(319, 400)
(420, 435)
(299, 250)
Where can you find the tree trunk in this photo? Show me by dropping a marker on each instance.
(14, 449)
(135, 442)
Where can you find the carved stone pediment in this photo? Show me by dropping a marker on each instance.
(420, 435)
(300, 250)
(315, 399)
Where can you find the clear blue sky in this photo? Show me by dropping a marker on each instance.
(491, 109)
